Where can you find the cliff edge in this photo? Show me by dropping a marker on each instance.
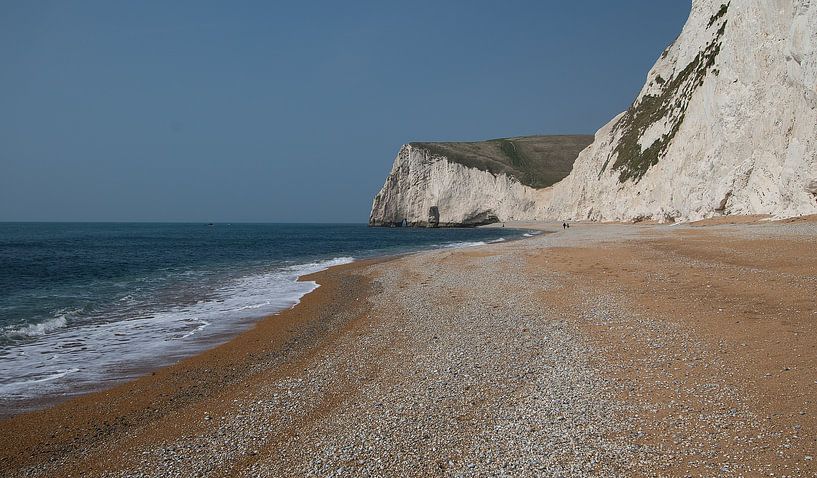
(473, 183)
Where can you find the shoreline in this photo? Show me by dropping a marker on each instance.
(10, 409)
(133, 402)
(614, 349)
(14, 407)
(294, 319)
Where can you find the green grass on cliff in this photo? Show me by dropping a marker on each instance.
(668, 106)
(535, 161)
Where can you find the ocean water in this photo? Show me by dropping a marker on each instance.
(86, 304)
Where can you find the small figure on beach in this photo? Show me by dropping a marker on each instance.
(564, 225)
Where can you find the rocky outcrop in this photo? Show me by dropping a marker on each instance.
(469, 184)
(726, 124)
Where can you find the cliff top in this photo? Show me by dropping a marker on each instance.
(535, 161)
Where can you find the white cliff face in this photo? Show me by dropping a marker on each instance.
(420, 182)
(726, 124)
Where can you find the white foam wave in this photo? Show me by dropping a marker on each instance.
(54, 376)
(312, 267)
(501, 239)
(36, 330)
(460, 245)
(156, 337)
(202, 325)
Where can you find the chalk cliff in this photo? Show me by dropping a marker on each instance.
(468, 184)
(725, 124)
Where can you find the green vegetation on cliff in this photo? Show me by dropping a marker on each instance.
(535, 161)
(668, 106)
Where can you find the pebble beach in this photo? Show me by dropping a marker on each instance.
(600, 350)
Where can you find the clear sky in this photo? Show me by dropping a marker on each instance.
(289, 111)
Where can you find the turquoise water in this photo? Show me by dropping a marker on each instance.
(82, 304)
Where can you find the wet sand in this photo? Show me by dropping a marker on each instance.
(603, 350)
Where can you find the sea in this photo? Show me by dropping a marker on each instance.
(86, 305)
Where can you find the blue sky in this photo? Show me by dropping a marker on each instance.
(289, 111)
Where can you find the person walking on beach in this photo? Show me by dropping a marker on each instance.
(564, 225)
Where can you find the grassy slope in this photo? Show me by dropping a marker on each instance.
(536, 161)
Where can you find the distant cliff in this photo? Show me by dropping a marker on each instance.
(468, 184)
